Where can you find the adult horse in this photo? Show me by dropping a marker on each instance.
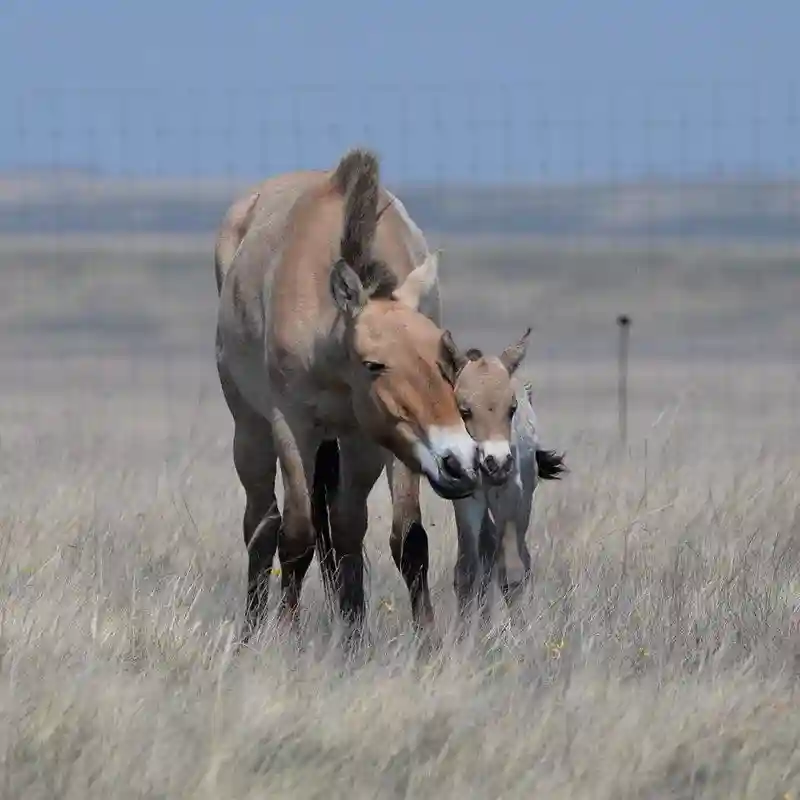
(333, 365)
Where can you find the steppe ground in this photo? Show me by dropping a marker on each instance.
(658, 656)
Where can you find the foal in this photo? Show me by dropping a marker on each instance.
(493, 522)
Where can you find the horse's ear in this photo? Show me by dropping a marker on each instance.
(419, 282)
(451, 359)
(347, 289)
(512, 356)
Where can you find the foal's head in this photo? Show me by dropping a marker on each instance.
(487, 402)
(401, 370)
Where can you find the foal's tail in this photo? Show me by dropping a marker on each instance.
(326, 483)
(550, 465)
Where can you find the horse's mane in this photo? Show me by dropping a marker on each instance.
(357, 177)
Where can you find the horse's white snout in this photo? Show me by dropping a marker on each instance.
(455, 449)
(455, 453)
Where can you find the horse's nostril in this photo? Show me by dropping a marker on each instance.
(452, 466)
(491, 463)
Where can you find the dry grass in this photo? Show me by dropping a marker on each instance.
(657, 657)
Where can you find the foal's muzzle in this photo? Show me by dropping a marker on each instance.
(497, 470)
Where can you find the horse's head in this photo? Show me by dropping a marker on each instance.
(401, 370)
(487, 402)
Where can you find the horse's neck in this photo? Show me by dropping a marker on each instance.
(330, 361)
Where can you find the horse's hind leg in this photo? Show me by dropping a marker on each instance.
(360, 467)
(297, 443)
(255, 460)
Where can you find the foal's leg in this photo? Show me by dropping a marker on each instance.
(470, 513)
(297, 442)
(488, 544)
(256, 464)
(361, 464)
(408, 540)
(514, 558)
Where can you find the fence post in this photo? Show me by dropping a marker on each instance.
(624, 324)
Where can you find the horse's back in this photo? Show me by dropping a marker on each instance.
(246, 281)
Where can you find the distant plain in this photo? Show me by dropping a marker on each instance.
(659, 657)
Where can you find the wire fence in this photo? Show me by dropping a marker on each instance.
(546, 133)
(678, 206)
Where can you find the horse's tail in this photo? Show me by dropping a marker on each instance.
(232, 232)
(550, 465)
(326, 483)
(357, 177)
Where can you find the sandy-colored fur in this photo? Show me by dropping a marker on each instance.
(231, 233)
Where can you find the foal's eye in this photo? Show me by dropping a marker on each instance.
(374, 367)
(466, 413)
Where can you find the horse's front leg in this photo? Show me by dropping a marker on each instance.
(361, 464)
(409, 541)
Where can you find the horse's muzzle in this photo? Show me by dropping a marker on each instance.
(453, 491)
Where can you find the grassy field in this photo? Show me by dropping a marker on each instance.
(658, 658)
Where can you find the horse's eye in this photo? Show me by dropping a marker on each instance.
(512, 410)
(466, 413)
(374, 367)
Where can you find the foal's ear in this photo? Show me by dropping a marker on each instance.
(512, 356)
(451, 359)
(474, 354)
(347, 289)
(419, 282)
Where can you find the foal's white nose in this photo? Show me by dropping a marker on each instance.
(496, 458)
(493, 465)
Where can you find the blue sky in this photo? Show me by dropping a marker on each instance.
(445, 90)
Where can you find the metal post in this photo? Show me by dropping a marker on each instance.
(624, 323)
